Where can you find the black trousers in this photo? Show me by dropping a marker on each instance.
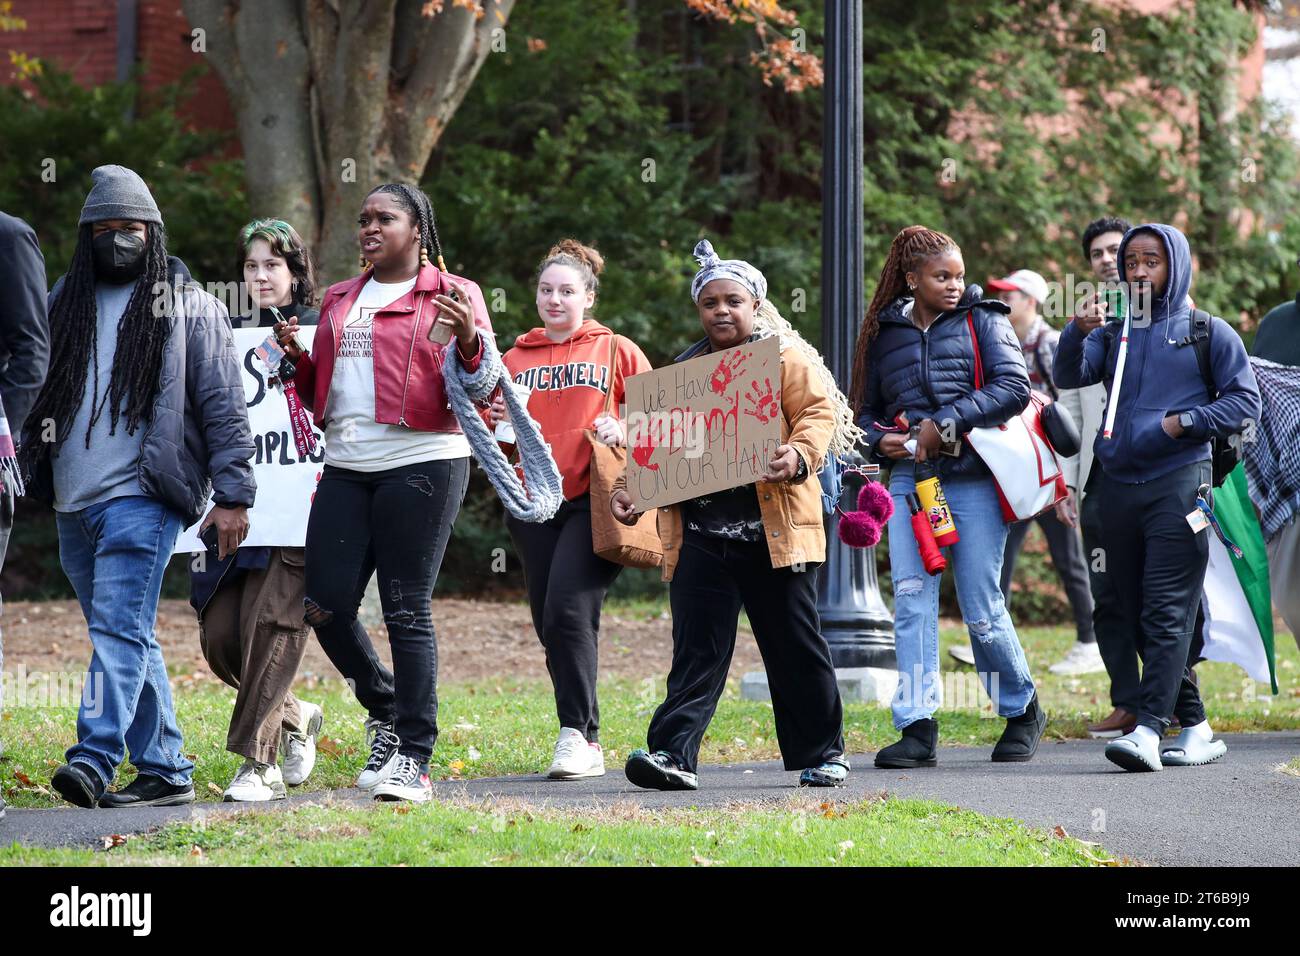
(1067, 557)
(1158, 567)
(396, 523)
(713, 580)
(1117, 634)
(567, 583)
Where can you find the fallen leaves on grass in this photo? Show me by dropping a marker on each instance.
(330, 745)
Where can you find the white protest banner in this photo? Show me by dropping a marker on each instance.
(703, 425)
(286, 482)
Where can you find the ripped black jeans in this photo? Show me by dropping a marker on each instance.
(396, 523)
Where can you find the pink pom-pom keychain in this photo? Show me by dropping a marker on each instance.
(863, 528)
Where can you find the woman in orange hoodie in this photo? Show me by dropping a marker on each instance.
(566, 362)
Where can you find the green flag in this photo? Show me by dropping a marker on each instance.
(1238, 603)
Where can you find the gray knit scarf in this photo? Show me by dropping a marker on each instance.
(545, 492)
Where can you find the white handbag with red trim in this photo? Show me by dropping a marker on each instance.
(1025, 467)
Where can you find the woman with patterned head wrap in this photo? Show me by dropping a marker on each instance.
(756, 546)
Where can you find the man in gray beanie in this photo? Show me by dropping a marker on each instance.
(141, 420)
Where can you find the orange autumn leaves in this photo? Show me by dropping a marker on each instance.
(783, 59)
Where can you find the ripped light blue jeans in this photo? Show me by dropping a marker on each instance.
(976, 564)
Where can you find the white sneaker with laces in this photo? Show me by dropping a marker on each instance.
(255, 782)
(406, 782)
(383, 754)
(575, 758)
(1082, 659)
(299, 748)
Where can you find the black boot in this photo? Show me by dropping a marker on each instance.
(918, 748)
(78, 783)
(146, 790)
(1020, 739)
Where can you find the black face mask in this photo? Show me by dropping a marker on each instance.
(119, 256)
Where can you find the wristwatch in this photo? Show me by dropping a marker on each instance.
(1186, 421)
(801, 472)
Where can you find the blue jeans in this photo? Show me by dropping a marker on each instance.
(976, 563)
(114, 553)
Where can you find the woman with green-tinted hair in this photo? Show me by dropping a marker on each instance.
(251, 623)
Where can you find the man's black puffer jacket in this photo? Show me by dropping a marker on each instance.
(931, 374)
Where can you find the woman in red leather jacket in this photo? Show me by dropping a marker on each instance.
(396, 469)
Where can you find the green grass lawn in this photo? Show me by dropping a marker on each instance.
(879, 832)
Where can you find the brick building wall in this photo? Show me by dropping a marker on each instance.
(81, 36)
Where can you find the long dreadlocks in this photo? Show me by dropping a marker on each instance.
(911, 248)
(419, 207)
(137, 361)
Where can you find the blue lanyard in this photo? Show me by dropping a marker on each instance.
(1214, 522)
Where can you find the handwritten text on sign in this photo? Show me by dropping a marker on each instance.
(285, 481)
(703, 425)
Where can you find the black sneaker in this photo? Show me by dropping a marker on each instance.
(383, 754)
(78, 785)
(831, 773)
(658, 771)
(408, 781)
(918, 748)
(1019, 741)
(146, 790)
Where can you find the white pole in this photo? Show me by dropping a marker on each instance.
(1113, 400)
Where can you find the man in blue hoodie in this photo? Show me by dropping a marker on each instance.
(1156, 459)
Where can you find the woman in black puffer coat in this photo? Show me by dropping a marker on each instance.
(914, 372)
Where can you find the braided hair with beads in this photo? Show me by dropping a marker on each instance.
(910, 249)
(420, 208)
(137, 361)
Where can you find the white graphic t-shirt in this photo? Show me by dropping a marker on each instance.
(353, 439)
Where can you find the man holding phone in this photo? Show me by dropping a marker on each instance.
(1115, 633)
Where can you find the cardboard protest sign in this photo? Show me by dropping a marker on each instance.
(703, 425)
(286, 481)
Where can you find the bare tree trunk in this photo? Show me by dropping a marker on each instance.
(333, 97)
(262, 62)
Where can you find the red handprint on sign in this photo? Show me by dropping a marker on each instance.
(641, 453)
(766, 404)
(727, 370)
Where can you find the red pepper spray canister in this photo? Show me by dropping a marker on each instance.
(931, 556)
(930, 492)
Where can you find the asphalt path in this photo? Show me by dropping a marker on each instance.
(1241, 811)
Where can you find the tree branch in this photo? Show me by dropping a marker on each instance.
(435, 61)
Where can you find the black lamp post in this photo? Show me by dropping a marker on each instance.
(857, 625)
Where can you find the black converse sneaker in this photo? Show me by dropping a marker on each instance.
(383, 754)
(408, 781)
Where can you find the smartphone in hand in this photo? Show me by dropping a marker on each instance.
(209, 538)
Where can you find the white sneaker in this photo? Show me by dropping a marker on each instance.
(575, 758)
(406, 782)
(383, 754)
(255, 782)
(1082, 659)
(299, 748)
(963, 653)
